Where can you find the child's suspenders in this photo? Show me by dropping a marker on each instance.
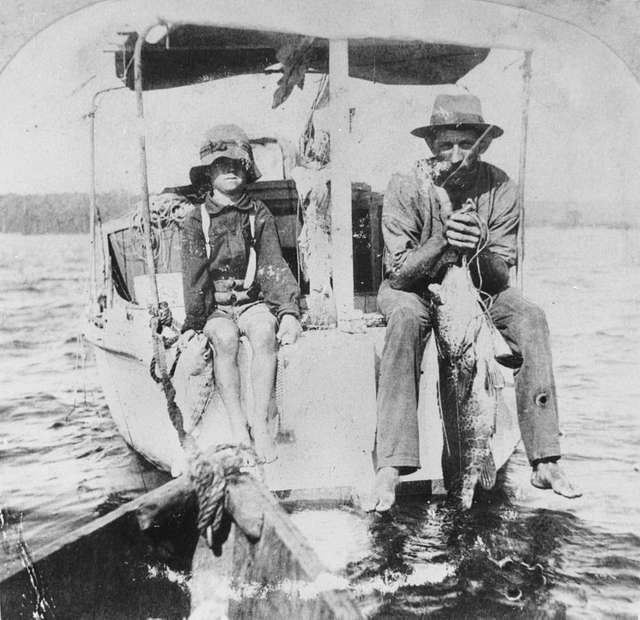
(250, 275)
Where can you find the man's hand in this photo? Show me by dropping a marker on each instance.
(290, 329)
(461, 230)
(444, 208)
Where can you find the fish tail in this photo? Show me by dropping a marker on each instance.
(468, 489)
(488, 472)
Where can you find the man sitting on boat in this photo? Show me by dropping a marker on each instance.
(235, 279)
(424, 229)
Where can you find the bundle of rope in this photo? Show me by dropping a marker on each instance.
(208, 471)
(167, 211)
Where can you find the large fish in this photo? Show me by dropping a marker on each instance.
(469, 383)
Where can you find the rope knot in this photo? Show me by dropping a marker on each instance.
(164, 314)
(209, 473)
(161, 315)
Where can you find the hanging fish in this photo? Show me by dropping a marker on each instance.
(469, 383)
(196, 362)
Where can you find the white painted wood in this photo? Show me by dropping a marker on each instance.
(138, 408)
(328, 406)
(341, 226)
(169, 290)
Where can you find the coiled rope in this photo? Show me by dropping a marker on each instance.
(165, 319)
(209, 473)
(166, 211)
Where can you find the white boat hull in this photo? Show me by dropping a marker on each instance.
(326, 419)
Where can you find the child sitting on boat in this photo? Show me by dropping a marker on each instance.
(235, 279)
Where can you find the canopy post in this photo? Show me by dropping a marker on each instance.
(92, 205)
(341, 224)
(95, 221)
(144, 183)
(526, 95)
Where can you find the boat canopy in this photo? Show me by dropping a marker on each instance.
(488, 23)
(188, 54)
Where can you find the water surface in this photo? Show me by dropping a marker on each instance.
(519, 552)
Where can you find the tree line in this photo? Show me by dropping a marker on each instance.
(69, 212)
(58, 213)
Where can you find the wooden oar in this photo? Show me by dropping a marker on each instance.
(115, 557)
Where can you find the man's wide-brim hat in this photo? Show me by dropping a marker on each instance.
(224, 141)
(457, 112)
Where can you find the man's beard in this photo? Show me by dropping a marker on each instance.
(454, 176)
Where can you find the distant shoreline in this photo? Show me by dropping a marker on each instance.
(69, 213)
(58, 213)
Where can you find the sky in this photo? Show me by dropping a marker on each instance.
(584, 133)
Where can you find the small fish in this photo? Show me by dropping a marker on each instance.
(196, 361)
(469, 383)
(195, 354)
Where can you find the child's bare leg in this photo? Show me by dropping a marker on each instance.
(224, 337)
(260, 328)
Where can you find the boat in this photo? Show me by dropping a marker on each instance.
(323, 421)
(324, 401)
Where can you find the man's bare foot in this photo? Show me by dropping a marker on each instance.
(384, 490)
(552, 476)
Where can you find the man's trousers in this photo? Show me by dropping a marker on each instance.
(524, 327)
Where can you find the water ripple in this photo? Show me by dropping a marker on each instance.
(519, 553)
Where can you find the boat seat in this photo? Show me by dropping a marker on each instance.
(281, 197)
(170, 290)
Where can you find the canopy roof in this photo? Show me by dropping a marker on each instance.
(194, 53)
(488, 23)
